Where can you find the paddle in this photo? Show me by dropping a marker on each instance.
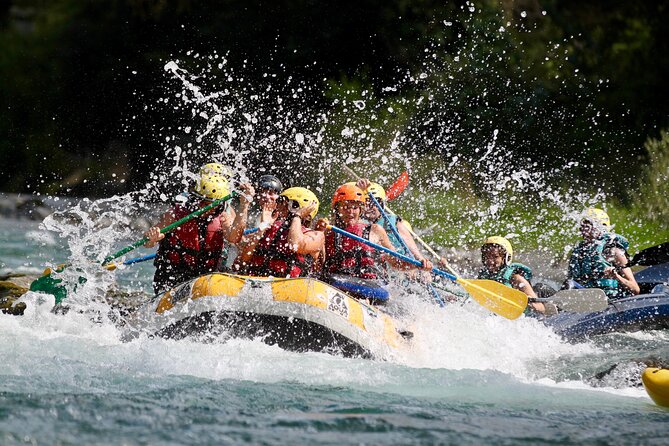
(652, 256)
(394, 190)
(466, 284)
(113, 266)
(403, 181)
(585, 300)
(53, 286)
(397, 235)
(170, 227)
(501, 299)
(398, 186)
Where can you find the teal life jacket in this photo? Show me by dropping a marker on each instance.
(385, 224)
(504, 274)
(588, 262)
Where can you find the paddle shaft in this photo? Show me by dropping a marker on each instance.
(426, 246)
(392, 226)
(390, 251)
(422, 242)
(397, 235)
(153, 256)
(575, 294)
(394, 190)
(169, 228)
(140, 259)
(511, 297)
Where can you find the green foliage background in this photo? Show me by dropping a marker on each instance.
(564, 80)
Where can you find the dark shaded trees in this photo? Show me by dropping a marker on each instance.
(77, 76)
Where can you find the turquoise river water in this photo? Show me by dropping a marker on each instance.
(469, 378)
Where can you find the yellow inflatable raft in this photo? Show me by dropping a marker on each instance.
(656, 382)
(300, 314)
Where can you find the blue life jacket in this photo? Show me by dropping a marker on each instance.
(588, 262)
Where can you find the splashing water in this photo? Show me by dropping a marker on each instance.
(274, 123)
(463, 364)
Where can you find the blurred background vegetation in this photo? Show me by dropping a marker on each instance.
(75, 75)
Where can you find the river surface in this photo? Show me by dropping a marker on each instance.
(469, 378)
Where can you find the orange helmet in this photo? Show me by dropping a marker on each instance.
(348, 192)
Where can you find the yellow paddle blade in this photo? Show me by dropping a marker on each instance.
(496, 297)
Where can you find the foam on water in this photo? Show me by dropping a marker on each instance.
(456, 354)
(457, 338)
(468, 377)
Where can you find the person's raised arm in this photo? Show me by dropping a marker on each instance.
(235, 231)
(301, 242)
(248, 243)
(623, 273)
(627, 280)
(522, 284)
(363, 184)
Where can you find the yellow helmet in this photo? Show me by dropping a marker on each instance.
(214, 169)
(303, 197)
(504, 243)
(597, 217)
(377, 191)
(212, 187)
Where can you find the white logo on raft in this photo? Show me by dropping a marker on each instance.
(337, 303)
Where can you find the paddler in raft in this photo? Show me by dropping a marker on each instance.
(601, 260)
(267, 188)
(199, 246)
(498, 265)
(372, 214)
(349, 264)
(284, 245)
(261, 211)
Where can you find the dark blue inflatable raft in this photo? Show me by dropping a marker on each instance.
(647, 311)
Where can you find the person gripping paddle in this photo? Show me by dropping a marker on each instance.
(199, 246)
(600, 259)
(497, 260)
(347, 257)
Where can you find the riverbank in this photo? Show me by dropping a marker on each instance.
(38, 207)
(31, 206)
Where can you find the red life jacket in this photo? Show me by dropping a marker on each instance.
(273, 256)
(194, 248)
(343, 255)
